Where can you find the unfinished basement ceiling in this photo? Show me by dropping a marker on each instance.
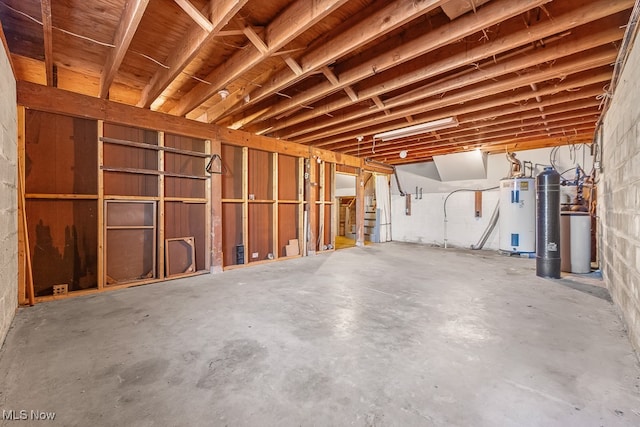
(515, 74)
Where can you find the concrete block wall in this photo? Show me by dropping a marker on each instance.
(619, 196)
(8, 196)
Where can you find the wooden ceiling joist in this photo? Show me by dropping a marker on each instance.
(586, 121)
(381, 22)
(292, 22)
(196, 15)
(489, 117)
(493, 104)
(47, 29)
(131, 17)
(187, 49)
(465, 26)
(541, 58)
(606, 56)
(323, 72)
(444, 62)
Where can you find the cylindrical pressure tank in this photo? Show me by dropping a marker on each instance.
(548, 215)
(517, 215)
(575, 242)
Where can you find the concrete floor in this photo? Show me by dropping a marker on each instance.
(392, 334)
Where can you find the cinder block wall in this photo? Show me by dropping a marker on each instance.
(619, 196)
(8, 196)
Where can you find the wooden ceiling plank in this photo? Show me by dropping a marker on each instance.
(512, 121)
(131, 17)
(492, 14)
(195, 14)
(491, 109)
(492, 102)
(45, 6)
(497, 146)
(555, 71)
(566, 49)
(555, 124)
(297, 18)
(379, 23)
(580, 16)
(187, 49)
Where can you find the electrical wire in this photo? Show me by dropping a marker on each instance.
(464, 189)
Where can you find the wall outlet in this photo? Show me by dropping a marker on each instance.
(255, 255)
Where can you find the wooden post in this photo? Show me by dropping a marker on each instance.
(276, 235)
(320, 205)
(360, 208)
(29, 271)
(301, 223)
(161, 255)
(22, 272)
(102, 274)
(245, 203)
(335, 208)
(214, 210)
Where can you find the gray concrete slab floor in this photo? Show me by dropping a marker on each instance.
(390, 334)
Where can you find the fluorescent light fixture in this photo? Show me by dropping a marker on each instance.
(445, 123)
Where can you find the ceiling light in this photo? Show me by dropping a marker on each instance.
(403, 154)
(223, 93)
(417, 129)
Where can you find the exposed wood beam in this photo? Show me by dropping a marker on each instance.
(60, 101)
(471, 136)
(491, 102)
(379, 23)
(333, 79)
(293, 65)
(575, 45)
(330, 75)
(129, 21)
(195, 14)
(300, 16)
(187, 49)
(45, 6)
(495, 146)
(443, 61)
(351, 93)
(494, 116)
(559, 69)
(464, 26)
(255, 39)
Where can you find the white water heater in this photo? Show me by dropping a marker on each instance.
(518, 215)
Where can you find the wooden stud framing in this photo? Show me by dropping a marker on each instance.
(301, 223)
(209, 234)
(102, 275)
(21, 212)
(161, 255)
(245, 203)
(360, 208)
(335, 209)
(320, 206)
(274, 206)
